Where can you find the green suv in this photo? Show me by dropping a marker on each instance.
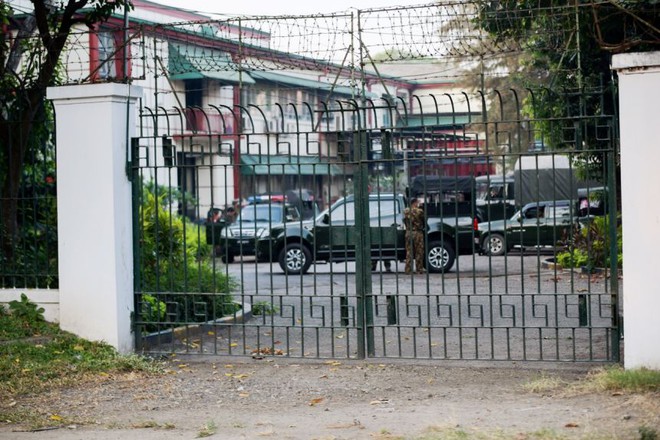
(536, 224)
(332, 236)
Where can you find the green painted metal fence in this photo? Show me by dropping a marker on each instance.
(233, 288)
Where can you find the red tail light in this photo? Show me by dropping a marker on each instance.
(475, 224)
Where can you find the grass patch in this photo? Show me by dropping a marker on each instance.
(209, 429)
(618, 379)
(36, 356)
(603, 379)
(544, 384)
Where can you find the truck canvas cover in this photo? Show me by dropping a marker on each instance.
(441, 184)
(544, 177)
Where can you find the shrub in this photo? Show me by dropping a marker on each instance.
(178, 281)
(590, 246)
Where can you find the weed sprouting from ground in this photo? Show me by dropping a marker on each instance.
(207, 430)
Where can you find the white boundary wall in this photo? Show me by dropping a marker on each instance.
(639, 102)
(94, 210)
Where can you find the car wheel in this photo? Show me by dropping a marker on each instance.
(440, 256)
(494, 245)
(295, 259)
(227, 259)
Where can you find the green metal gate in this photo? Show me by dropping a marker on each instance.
(200, 288)
(278, 156)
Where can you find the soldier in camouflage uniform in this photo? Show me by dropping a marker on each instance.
(413, 218)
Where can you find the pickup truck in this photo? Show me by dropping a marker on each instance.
(331, 237)
(238, 238)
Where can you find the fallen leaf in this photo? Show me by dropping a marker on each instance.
(244, 395)
(233, 344)
(316, 401)
(571, 425)
(211, 333)
(56, 417)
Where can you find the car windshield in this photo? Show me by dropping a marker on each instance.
(261, 213)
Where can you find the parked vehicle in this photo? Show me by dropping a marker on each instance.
(254, 220)
(331, 237)
(592, 202)
(495, 197)
(534, 178)
(303, 199)
(536, 224)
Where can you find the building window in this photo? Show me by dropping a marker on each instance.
(106, 53)
(194, 92)
(107, 62)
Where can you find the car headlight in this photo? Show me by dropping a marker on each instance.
(226, 233)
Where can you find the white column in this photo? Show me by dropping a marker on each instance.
(639, 102)
(94, 210)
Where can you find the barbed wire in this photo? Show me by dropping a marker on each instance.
(451, 32)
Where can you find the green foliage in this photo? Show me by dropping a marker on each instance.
(33, 362)
(573, 258)
(34, 260)
(178, 275)
(646, 433)
(25, 322)
(618, 379)
(563, 56)
(25, 310)
(590, 246)
(264, 308)
(153, 310)
(30, 64)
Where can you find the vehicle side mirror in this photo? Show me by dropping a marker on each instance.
(288, 218)
(326, 219)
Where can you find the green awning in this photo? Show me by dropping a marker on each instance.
(195, 62)
(287, 165)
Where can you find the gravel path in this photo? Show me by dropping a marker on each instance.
(234, 398)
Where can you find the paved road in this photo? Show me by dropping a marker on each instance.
(508, 308)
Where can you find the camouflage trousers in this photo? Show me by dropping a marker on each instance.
(415, 249)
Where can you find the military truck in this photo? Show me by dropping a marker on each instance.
(534, 178)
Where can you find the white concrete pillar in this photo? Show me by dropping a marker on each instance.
(639, 102)
(94, 210)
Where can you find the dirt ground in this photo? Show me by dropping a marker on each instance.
(232, 398)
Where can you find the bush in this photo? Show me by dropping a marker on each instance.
(590, 246)
(178, 281)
